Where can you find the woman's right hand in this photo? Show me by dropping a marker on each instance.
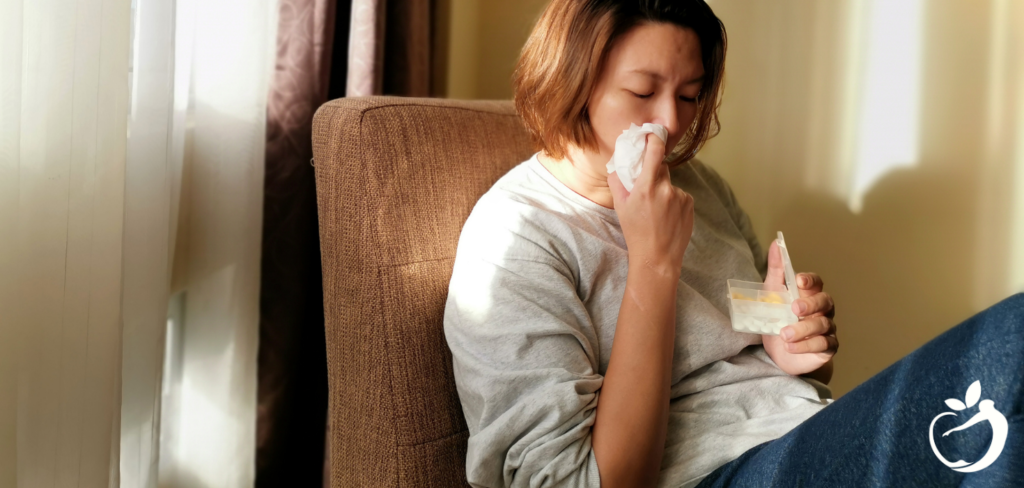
(656, 217)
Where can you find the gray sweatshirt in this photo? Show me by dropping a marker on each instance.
(539, 275)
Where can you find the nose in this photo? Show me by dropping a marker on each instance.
(666, 113)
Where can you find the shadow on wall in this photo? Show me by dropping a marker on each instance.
(897, 271)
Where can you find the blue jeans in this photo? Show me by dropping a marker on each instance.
(878, 433)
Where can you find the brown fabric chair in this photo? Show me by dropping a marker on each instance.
(396, 179)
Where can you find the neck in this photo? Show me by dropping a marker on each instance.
(584, 173)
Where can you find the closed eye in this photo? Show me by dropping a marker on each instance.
(685, 99)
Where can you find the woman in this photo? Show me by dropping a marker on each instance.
(557, 259)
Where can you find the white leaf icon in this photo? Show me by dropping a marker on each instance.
(955, 404)
(973, 393)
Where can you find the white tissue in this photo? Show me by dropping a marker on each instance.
(627, 160)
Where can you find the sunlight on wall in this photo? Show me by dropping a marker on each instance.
(999, 257)
(887, 132)
(1016, 279)
(1009, 17)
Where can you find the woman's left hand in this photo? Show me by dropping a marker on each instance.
(809, 344)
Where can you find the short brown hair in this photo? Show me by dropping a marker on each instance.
(562, 59)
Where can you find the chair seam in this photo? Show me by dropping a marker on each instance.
(391, 383)
(363, 111)
(467, 109)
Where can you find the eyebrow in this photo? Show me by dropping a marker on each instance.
(658, 76)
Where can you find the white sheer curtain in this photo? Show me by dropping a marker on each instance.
(153, 191)
(230, 48)
(131, 170)
(63, 120)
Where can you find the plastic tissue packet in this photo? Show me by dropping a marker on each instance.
(761, 308)
(627, 160)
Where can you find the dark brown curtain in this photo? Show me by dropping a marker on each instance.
(398, 47)
(292, 362)
(409, 46)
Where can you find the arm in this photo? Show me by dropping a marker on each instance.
(632, 416)
(524, 357)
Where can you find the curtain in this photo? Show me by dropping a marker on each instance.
(132, 138)
(292, 367)
(224, 53)
(397, 47)
(156, 138)
(63, 119)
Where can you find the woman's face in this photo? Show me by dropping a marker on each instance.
(652, 74)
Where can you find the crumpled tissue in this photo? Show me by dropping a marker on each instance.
(627, 160)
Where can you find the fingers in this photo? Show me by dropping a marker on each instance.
(812, 300)
(818, 303)
(776, 270)
(807, 327)
(819, 344)
(809, 284)
(654, 154)
(814, 334)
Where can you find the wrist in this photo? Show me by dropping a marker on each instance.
(667, 273)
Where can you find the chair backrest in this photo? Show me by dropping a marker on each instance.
(396, 179)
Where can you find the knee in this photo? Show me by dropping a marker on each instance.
(1013, 305)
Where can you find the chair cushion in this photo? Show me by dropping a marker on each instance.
(396, 179)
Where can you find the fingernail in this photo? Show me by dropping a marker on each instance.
(801, 306)
(803, 281)
(787, 334)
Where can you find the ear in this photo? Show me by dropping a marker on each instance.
(776, 270)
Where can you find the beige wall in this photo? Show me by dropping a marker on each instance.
(913, 227)
(486, 36)
(936, 239)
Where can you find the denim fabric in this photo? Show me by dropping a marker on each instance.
(877, 434)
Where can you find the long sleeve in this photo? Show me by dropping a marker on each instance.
(524, 357)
